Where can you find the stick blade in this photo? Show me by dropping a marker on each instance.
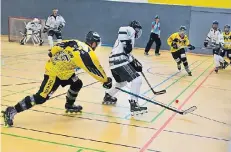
(190, 110)
(160, 92)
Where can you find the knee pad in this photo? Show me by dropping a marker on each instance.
(137, 80)
(178, 61)
(59, 40)
(121, 84)
(77, 85)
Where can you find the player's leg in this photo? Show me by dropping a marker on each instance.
(48, 86)
(109, 98)
(26, 37)
(58, 36)
(50, 38)
(158, 44)
(184, 60)
(177, 58)
(39, 37)
(149, 44)
(229, 55)
(75, 86)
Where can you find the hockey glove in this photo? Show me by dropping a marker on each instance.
(136, 65)
(174, 45)
(60, 27)
(206, 43)
(191, 47)
(45, 30)
(108, 84)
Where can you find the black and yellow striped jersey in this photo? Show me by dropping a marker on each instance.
(71, 54)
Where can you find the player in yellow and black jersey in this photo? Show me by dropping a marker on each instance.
(227, 42)
(65, 57)
(178, 43)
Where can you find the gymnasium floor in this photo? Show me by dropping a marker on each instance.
(99, 128)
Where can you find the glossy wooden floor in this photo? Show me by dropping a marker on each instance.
(99, 128)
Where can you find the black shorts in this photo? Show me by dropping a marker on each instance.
(125, 73)
(56, 33)
(178, 54)
(50, 84)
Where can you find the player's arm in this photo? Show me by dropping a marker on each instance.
(172, 41)
(90, 63)
(187, 43)
(62, 23)
(47, 25)
(208, 38)
(221, 39)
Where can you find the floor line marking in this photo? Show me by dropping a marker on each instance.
(174, 114)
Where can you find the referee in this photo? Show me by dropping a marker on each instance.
(154, 36)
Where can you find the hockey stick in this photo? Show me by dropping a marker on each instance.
(155, 92)
(190, 110)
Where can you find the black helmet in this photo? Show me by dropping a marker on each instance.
(157, 17)
(227, 28)
(92, 37)
(135, 24)
(215, 22)
(137, 27)
(183, 28)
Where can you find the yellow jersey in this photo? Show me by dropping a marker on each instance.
(181, 42)
(71, 54)
(227, 40)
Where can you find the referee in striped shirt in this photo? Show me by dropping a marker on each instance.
(154, 36)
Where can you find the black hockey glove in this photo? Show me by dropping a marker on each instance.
(206, 43)
(191, 47)
(108, 84)
(174, 45)
(45, 30)
(136, 65)
(60, 27)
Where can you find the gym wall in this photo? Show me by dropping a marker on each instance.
(106, 17)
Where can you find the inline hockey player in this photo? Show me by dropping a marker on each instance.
(178, 43)
(216, 39)
(227, 42)
(32, 30)
(60, 70)
(125, 67)
(54, 25)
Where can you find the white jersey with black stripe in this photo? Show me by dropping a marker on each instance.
(53, 22)
(215, 36)
(118, 56)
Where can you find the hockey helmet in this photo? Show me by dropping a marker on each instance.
(182, 31)
(92, 37)
(137, 27)
(227, 28)
(36, 20)
(215, 22)
(157, 17)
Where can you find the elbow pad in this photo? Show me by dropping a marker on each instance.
(127, 46)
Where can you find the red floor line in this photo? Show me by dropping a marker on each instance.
(173, 115)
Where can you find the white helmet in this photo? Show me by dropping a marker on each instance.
(35, 20)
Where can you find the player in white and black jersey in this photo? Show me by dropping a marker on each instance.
(53, 26)
(125, 67)
(216, 40)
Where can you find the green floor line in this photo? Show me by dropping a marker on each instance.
(176, 80)
(51, 142)
(161, 112)
(80, 150)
